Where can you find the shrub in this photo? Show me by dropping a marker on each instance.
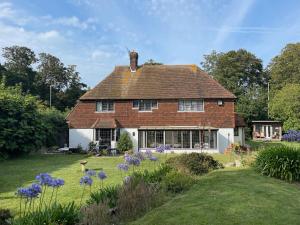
(281, 162)
(125, 142)
(5, 217)
(176, 182)
(56, 214)
(194, 163)
(96, 214)
(155, 176)
(107, 195)
(134, 199)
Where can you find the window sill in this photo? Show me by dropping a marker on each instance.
(189, 111)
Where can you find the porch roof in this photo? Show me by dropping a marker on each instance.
(104, 123)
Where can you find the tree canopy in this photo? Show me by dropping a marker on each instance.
(285, 106)
(285, 68)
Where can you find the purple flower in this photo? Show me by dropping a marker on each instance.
(32, 191)
(86, 180)
(91, 173)
(44, 179)
(136, 161)
(148, 153)
(56, 183)
(160, 149)
(123, 166)
(102, 175)
(128, 159)
(153, 158)
(140, 156)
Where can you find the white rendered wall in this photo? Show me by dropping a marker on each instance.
(225, 137)
(133, 133)
(80, 136)
(241, 138)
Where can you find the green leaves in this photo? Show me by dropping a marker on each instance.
(125, 142)
(281, 162)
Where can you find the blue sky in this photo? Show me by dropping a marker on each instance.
(94, 34)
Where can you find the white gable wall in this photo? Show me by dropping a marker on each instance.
(80, 136)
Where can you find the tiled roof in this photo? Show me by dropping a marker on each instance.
(105, 123)
(158, 82)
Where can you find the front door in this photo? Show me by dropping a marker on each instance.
(267, 131)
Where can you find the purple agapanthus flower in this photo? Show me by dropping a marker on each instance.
(44, 179)
(86, 180)
(148, 153)
(56, 183)
(140, 156)
(30, 192)
(123, 166)
(102, 175)
(136, 161)
(91, 173)
(160, 149)
(128, 159)
(153, 158)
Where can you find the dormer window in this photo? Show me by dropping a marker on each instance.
(105, 106)
(145, 105)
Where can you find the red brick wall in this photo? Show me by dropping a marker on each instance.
(84, 115)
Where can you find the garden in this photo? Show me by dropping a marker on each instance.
(146, 188)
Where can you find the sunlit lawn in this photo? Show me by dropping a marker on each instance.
(22, 172)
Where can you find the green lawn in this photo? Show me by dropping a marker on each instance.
(21, 172)
(231, 196)
(260, 144)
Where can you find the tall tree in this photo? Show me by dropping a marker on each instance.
(285, 68)
(241, 72)
(285, 106)
(18, 64)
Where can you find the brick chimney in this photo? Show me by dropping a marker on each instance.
(133, 60)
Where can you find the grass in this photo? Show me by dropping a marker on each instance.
(231, 196)
(256, 145)
(21, 172)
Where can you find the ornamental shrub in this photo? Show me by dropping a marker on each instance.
(125, 142)
(177, 182)
(194, 163)
(68, 214)
(107, 195)
(282, 162)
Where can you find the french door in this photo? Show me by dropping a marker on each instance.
(267, 131)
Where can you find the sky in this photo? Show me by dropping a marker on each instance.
(95, 35)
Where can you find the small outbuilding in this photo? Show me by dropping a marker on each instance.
(267, 130)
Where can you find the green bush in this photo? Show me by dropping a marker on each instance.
(107, 195)
(281, 162)
(5, 217)
(55, 214)
(124, 143)
(176, 182)
(155, 176)
(194, 163)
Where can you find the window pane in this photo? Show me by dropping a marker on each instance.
(135, 103)
(110, 106)
(195, 139)
(104, 106)
(99, 106)
(206, 140)
(181, 105)
(177, 139)
(150, 139)
(154, 104)
(186, 138)
(187, 105)
(169, 139)
(159, 138)
(141, 139)
(213, 139)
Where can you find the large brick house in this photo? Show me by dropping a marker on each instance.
(176, 105)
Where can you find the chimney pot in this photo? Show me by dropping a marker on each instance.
(133, 60)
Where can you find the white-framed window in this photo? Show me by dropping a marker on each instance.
(145, 105)
(105, 106)
(191, 105)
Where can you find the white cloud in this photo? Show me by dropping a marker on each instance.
(235, 17)
(99, 54)
(72, 21)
